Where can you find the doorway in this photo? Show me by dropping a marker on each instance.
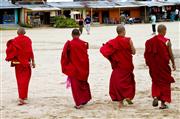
(105, 17)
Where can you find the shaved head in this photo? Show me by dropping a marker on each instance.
(21, 31)
(120, 29)
(161, 29)
(76, 32)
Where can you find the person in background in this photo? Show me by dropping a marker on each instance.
(87, 24)
(153, 22)
(177, 14)
(81, 24)
(123, 19)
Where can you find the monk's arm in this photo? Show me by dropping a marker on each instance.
(171, 55)
(107, 50)
(132, 47)
(32, 56)
(33, 63)
(32, 60)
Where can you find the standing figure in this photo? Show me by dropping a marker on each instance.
(119, 52)
(81, 24)
(87, 24)
(75, 64)
(123, 19)
(153, 22)
(157, 54)
(19, 52)
(177, 14)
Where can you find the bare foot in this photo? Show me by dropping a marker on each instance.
(120, 104)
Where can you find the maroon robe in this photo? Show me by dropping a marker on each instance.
(75, 64)
(118, 52)
(19, 49)
(157, 59)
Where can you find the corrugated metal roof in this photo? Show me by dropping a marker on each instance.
(157, 4)
(108, 4)
(173, 2)
(7, 5)
(4, 4)
(39, 7)
(101, 4)
(67, 4)
(93, 4)
(128, 4)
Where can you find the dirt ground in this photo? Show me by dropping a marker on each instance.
(48, 96)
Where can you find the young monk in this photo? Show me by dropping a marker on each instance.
(119, 52)
(19, 52)
(75, 64)
(157, 54)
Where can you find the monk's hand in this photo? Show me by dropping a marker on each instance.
(33, 65)
(174, 67)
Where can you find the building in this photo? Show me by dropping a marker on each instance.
(35, 12)
(9, 13)
(110, 12)
(40, 12)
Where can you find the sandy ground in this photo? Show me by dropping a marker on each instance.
(48, 96)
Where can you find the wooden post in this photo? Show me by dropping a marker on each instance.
(91, 15)
(145, 15)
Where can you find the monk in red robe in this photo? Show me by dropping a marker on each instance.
(119, 52)
(19, 52)
(157, 54)
(75, 64)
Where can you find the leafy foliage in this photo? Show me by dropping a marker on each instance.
(62, 22)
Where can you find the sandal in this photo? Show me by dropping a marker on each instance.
(78, 107)
(164, 107)
(120, 104)
(129, 101)
(155, 102)
(21, 102)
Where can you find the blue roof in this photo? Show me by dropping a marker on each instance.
(4, 4)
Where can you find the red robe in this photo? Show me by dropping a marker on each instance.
(157, 59)
(19, 49)
(122, 83)
(75, 64)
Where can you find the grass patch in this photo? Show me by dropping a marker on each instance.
(6, 28)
